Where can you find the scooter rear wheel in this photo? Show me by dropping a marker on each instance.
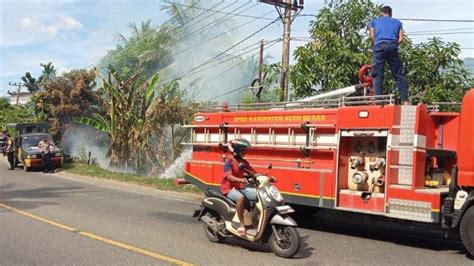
(211, 235)
(289, 244)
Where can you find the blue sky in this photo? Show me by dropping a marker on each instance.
(77, 33)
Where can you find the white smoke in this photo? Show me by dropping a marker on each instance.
(80, 140)
(204, 40)
(177, 168)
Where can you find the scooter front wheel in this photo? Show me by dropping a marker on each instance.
(287, 243)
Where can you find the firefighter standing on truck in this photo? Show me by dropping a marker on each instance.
(386, 34)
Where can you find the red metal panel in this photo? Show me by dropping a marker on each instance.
(466, 144)
(419, 161)
(375, 204)
(379, 117)
(434, 198)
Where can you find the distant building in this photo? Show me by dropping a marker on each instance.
(21, 98)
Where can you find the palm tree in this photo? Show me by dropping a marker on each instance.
(30, 82)
(47, 74)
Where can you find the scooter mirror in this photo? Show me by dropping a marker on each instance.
(270, 166)
(242, 166)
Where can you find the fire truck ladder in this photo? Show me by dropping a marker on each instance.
(265, 135)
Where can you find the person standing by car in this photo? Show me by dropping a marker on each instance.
(10, 149)
(45, 148)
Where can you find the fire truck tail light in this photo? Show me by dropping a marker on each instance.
(363, 114)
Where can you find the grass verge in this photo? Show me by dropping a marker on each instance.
(155, 182)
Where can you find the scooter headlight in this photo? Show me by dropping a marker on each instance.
(276, 195)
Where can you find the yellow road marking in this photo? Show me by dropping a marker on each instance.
(99, 238)
(62, 226)
(134, 249)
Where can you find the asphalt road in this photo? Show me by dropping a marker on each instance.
(62, 220)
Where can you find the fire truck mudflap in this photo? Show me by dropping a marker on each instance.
(357, 154)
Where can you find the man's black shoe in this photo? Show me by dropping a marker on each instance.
(11, 169)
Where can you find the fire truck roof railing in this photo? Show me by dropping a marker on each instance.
(443, 106)
(319, 103)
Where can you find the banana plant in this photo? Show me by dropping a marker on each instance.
(129, 106)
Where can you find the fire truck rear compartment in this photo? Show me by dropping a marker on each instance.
(361, 170)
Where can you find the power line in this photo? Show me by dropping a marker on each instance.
(441, 30)
(246, 16)
(436, 20)
(244, 86)
(188, 72)
(215, 37)
(415, 19)
(232, 91)
(186, 27)
(150, 31)
(243, 61)
(440, 33)
(218, 20)
(129, 52)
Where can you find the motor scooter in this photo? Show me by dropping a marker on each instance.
(267, 220)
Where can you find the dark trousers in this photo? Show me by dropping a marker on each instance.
(47, 164)
(388, 52)
(11, 159)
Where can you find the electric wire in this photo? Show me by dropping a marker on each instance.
(192, 47)
(219, 35)
(240, 15)
(146, 33)
(190, 71)
(417, 19)
(270, 44)
(218, 20)
(211, 9)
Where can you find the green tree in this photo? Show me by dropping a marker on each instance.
(341, 45)
(146, 51)
(30, 82)
(4, 103)
(48, 74)
(19, 114)
(69, 95)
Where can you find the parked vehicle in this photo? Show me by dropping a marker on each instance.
(360, 154)
(267, 220)
(27, 153)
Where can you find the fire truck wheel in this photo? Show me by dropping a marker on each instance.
(466, 230)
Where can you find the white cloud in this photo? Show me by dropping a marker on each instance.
(28, 23)
(63, 24)
(68, 23)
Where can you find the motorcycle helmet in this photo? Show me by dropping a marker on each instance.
(238, 146)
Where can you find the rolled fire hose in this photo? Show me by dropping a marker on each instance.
(359, 177)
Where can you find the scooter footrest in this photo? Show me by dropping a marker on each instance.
(252, 232)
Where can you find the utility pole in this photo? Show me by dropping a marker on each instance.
(285, 54)
(286, 18)
(19, 84)
(260, 71)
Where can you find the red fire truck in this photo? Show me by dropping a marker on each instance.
(359, 154)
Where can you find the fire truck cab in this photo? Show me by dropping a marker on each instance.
(360, 154)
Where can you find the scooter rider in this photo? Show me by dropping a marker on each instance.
(234, 184)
